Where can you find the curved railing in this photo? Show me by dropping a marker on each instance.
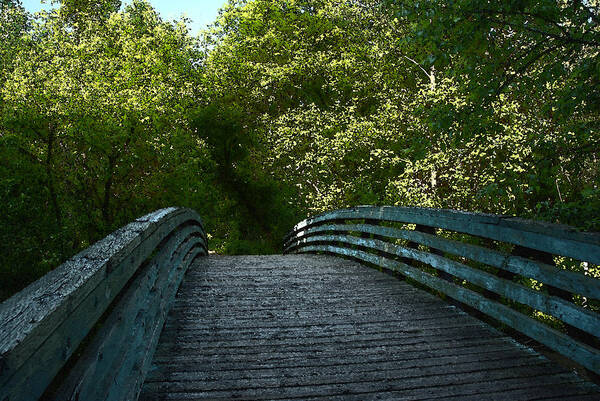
(87, 330)
(480, 260)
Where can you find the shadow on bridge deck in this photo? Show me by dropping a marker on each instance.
(321, 327)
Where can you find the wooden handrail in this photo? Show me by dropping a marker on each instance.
(108, 302)
(464, 271)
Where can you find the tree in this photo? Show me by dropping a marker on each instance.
(289, 107)
(541, 57)
(80, 12)
(94, 125)
(520, 46)
(14, 22)
(292, 66)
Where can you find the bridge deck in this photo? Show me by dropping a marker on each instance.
(320, 327)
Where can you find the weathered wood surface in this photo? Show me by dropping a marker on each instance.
(562, 343)
(348, 232)
(113, 366)
(43, 325)
(321, 327)
(552, 238)
(568, 312)
(570, 281)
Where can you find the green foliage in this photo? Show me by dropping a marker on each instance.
(518, 66)
(14, 22)
(82, 12)
(351, 111)
(529, 47)
(93, 133)
(286, 108)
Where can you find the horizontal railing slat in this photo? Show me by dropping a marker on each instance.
(570, 281)
(550, 238)
(563, 310)
(145, 365)
(22, 315)
(133, 365)
(92, 378)
(579, 352)
(42, 326)
(364, 231)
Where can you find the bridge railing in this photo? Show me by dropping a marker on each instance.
(502, 266)
(87, 330)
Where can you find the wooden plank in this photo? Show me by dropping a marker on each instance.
(566, 311)
(416, 367)
(316, 330)
(317, 325)
(399, 378)
(127, 380)
(92, 376)
(187, 256)
(406, 348)
(551, 238)
(31, 378)
(303, 313)
(299, 340)
(362, 344)
(437, 386)
(43, 324)
(570, 281)
(29, 310)
(494, 390)
(435, 357)
(330, 355)
(581, 353)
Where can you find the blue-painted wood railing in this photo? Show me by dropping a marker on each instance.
(503, 266)
(87, 330)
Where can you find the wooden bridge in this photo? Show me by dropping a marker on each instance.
(367, 303)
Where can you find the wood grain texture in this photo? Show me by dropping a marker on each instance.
(113, 366)
(357, 233)
(321, 327)
(568, 312)
(587, 356)
(43, 325)
(573, 282)
(552, 238)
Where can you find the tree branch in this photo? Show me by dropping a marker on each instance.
(526, 14)
(565, 39)
(593, 16)
(524, 67)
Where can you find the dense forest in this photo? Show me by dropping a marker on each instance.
(285, 108)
